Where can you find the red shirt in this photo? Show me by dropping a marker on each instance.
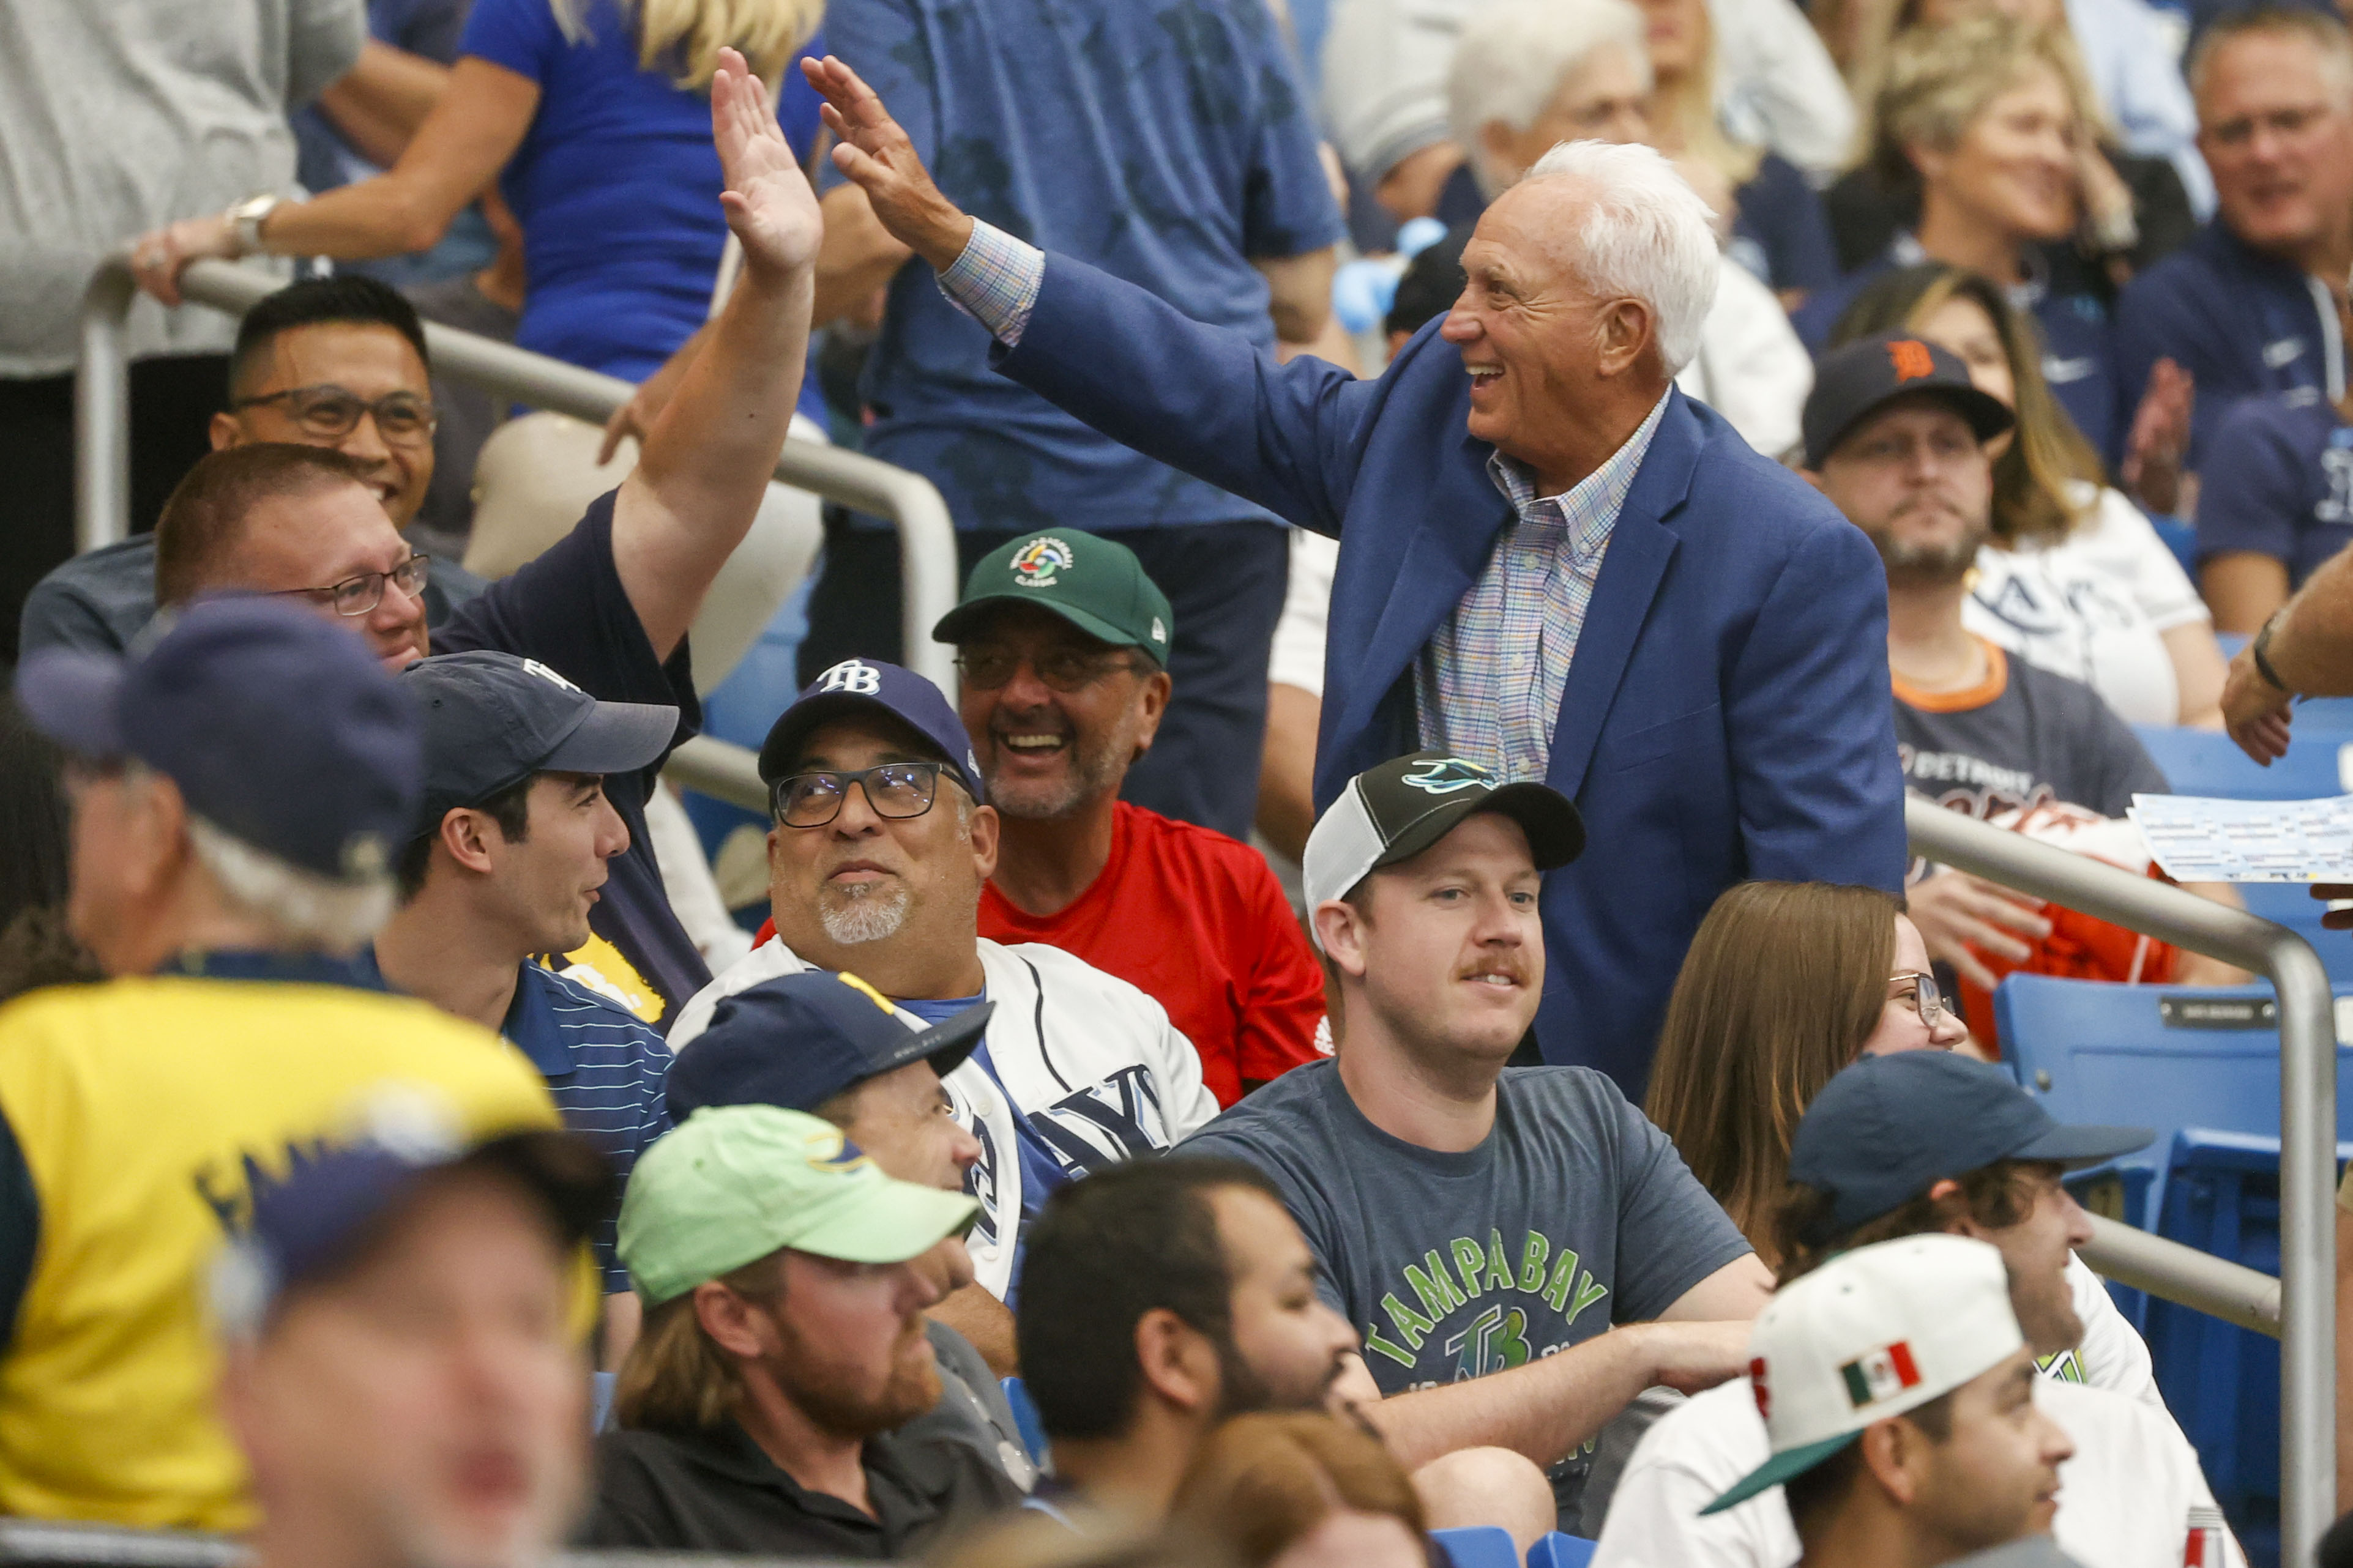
(1197, 921)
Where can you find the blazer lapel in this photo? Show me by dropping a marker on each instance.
(1640, 545)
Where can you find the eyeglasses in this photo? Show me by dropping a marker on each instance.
(893, 789)
(1064, 669)
(1926, 998)
(331, 413)
(358, 596)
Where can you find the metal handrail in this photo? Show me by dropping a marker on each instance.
(47, 1543)
(2308, 1030)
(102, 437)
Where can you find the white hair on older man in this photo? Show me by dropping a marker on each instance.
(1512, 58)
(1646, 234)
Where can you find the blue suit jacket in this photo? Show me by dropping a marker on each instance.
(1728, 714)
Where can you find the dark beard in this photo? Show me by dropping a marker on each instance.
(1912, 566)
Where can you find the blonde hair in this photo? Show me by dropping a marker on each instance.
(1935, 81)
(1687, 103)
(682, 37)
(676, 1378)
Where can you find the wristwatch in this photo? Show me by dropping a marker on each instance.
(245, 221)
(2261, 649)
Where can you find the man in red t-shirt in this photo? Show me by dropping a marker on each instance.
(1063, 643)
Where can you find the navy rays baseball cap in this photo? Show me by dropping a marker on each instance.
(280, 727)
(868, 685)
(1888, 1128)
(493, 719)
(1852, 382)
(799, 1040)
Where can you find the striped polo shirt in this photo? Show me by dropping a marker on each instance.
(604, 1070)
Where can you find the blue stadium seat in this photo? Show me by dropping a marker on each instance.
(1559, 1551)
(1478, 1546)
(1025, 1418)
(2291, 904)
(2206, 761)
(600, 1400)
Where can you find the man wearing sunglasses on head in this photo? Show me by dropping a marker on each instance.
(883, 837)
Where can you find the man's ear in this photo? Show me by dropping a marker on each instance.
(1340, 927)
(1626, 331)
(1892, 1454)
(465, 835)
(1178, 1364)
(734, 1323)
(225, 432)
(985, 824)
(1156, 688)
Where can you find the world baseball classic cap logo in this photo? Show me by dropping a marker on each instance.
(1882, 1374)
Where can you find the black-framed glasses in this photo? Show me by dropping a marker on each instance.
(358, 596)
(1064, 669)
(1926, 999)
(332, 413)
(892, 789)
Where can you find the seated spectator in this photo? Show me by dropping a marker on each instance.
(516, 837)
(1893, 436)
(607, 607)
(1988, 118)
(398, 1316)
(883, 840)
(35, 864)
(1904, 1419)
(1911, 1145)
(1291, 1492)
(2074, 579)
(240, 784)
(1062, 641)
(2249, 306)
(1530, 73)
(1168, 1296)
(2276, 501)
(828, 1046)
(1539, 1187)
(783, 1348)
(1785, 985)
(337, 363)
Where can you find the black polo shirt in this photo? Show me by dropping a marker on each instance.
(718, 1492)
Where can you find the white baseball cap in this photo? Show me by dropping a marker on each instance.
(1871, 1333)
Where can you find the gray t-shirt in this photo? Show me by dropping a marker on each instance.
(2028, 738)
(1575, 1213)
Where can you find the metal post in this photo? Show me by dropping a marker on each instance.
(102, 410)
(2307, 1113)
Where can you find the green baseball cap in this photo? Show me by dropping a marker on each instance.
(1096, 584)
(734, 1183)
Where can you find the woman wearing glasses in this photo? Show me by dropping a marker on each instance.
(1784, 983)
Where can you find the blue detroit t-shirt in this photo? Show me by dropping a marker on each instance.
(2278, 480)
(1575, 1213)
(1166, 142)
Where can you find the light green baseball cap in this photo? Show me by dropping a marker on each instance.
(734, 1183)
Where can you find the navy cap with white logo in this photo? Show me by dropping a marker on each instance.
(868, 685)
(800, 1040)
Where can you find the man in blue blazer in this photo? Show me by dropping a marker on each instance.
(1551, 561)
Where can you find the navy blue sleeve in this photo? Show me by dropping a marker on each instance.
(2258, 483)
(1287, 206)
(20, 1231)
(1781, 211)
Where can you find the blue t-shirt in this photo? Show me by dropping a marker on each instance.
(2278, 480)
(1164, 141)
(1575, 1213)
(1780, 231)
(2078, 353)
(617, 187)
(2241, 324)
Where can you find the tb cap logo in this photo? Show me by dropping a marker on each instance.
(854, 676)
(1445, 776)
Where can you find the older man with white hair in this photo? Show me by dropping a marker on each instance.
(1529, 73)
(1553, 564)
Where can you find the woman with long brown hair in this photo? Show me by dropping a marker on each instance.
(1786, 983)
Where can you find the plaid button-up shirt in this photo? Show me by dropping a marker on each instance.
(1487, 686)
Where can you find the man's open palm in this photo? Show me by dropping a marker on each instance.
(768, 201)
(877, 156)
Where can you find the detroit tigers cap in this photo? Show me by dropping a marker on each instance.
(1870, 1334)
(1395, 811)
(858, 685)
(492, 719)
(1852, 382)
(1096, 584)
(280, 727)
(800, 1040)
(1886, 1129)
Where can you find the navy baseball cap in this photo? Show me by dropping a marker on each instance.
(799, 1040)
(493, 719)
(1852, 382)
(335, 1201)
(280, 727)
(1888, 1128)
(865, 685)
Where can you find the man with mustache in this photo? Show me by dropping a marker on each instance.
(1484, 1228)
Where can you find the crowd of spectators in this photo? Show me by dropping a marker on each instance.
(1301, 1047)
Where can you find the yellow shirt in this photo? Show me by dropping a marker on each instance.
(132, 1114)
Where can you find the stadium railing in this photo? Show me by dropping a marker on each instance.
(102, 465)
(2300, 1306)
(36, 1543)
